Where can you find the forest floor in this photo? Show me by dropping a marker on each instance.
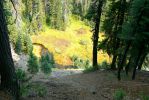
(99, 85)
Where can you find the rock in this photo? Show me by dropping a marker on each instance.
(15, 56)
(20, 61)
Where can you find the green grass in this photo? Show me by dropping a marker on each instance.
(144, 96)
(89, 69)
(119, 94)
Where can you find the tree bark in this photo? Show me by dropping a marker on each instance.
(142, 60)
(127, 67)
(7, 71)
(113, 65)
(121, 62)
(121, 17)
(136, 60)
(96, 34)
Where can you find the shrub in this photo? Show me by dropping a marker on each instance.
(104, 65)
(33, 65)
(74, 59)
(24, 90)
(144, 97)
(41, 91)
(119, 94)
(47, 63)
(83, 42)
(18, 45)
(20, 74)
(80, 63)
(28, 46)
(37, 89)
(89, 69)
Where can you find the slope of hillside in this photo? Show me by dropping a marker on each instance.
(75, 41)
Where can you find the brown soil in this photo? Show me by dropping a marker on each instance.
(62, 43)
(99, 85)
(81, 31)
(4, 96)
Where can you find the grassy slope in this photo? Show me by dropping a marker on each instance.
(64, 44)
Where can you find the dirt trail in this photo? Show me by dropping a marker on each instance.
(98, 85)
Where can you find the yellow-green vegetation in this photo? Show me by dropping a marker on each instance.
(75, 40)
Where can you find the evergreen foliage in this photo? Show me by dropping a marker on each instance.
(21, 75)
(46, 63)
(27, 44)
(33, 64)
(18, 46)
(125, 26)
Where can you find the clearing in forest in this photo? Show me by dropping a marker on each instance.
(74, 41)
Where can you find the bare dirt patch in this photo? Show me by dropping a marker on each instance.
(99, 85)
(81, 31)
(5, 96)
(61, 43)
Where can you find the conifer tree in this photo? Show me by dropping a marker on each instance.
(99, 5)
(138, 33)
(9, 80)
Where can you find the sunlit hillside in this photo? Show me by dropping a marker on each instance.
(75, 41)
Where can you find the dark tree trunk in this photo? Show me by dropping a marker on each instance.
(120, 23)
(118, 28)
(113, 65)
(96, 34)
(115, 55)
(142, 60)
(121, 62)
(125, 53)
(136, 61)
(127, 67)
(7, 71)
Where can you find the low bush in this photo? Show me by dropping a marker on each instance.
(104, 65)
(21, 75)
(80, 63)
(89, 69)
(119, 94)
(83, 42)
(144, 97)
(33, 89)
(33, 64)
(46, 63)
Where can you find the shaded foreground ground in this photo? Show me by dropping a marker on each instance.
(98, 85)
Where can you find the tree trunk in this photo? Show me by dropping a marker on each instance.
(137, 58)
(127, 67)
(136, 61)
(96, 34)
(113, 65)
(121, 17)
(7, 71)
(121, 62)
(125, 53)
(142, 60)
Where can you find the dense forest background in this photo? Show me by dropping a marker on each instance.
(119, 22)
(111, 34)
(32, 16)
